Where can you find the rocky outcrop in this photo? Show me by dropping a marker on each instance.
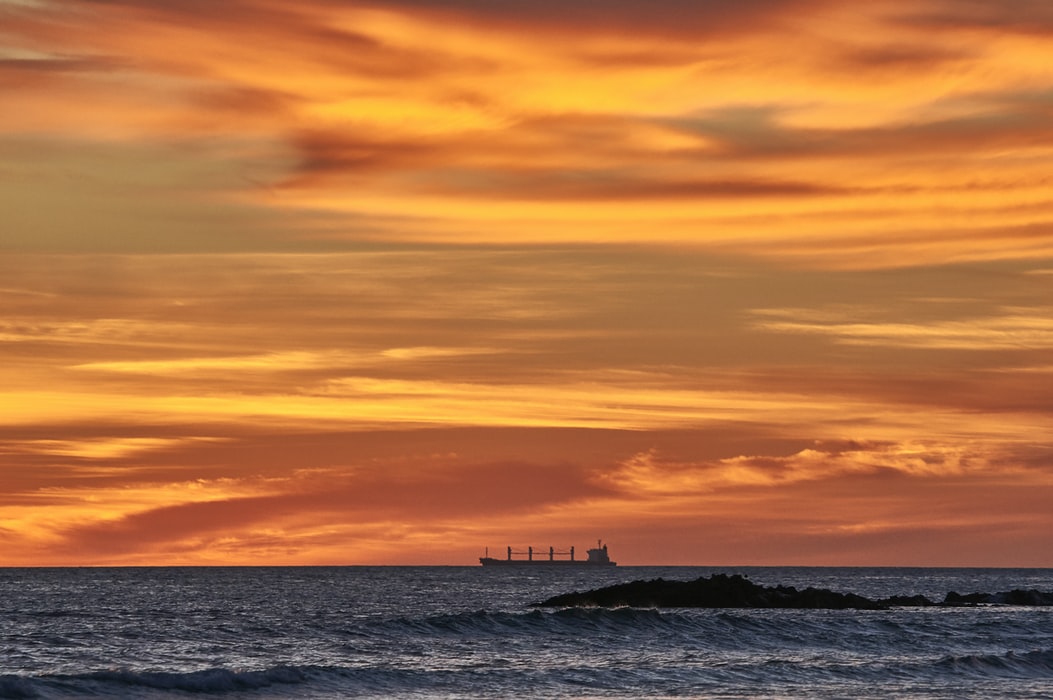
(717, 591)
(735, 591)
(1016, 596)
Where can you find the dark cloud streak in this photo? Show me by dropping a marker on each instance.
(670, 18)
(1022, 16)
(419, 492)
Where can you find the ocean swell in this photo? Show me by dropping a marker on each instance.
(1030, 665)
(138, 683)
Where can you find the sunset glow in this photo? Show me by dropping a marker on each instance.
(754, 282)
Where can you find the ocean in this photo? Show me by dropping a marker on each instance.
(468, 632)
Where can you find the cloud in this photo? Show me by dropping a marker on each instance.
(115, 330)
(606, 185)
(410, 486)
(290, 361)
(896, 58)
(327, 512)
(650, 473)
(323, 500)
(1014, 329)
(1024, 16)
(393, 122)
(273, 362)
(29, 72)
(666, 18)
(103, 448)
(404, 242)
(993, 121)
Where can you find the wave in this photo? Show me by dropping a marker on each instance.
(755, 671)
(485, 622)
(123, 682)
(17, 687)
(1031, 664)
(732, 628)
(320, 681)
(599, 651)
(722, 629)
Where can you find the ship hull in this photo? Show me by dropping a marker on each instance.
(489, 561)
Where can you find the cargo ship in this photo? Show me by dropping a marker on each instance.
(595, 557)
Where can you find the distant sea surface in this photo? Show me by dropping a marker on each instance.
(465, 632)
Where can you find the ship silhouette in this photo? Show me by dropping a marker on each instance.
(596, 556)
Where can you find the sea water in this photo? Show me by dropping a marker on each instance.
(464, 632)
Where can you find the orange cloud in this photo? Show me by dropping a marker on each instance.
(699, 126)
(1023, 329)
(317, 282)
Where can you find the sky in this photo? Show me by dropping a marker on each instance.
(763, 282)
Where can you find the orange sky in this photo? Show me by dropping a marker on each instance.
(752, 282)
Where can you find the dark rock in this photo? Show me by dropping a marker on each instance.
(957, 599)
(1016, 596)
(1029, 597)
(735, 591)
(907, 601)
(717, 591)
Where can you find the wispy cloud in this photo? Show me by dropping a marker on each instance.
(1016, 329)
(102, 448)
(690, 125)
(773, 269)
(651, 473)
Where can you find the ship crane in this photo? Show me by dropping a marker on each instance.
(529, 553)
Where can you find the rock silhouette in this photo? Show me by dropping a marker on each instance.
(1014, 597)
(735, 591)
